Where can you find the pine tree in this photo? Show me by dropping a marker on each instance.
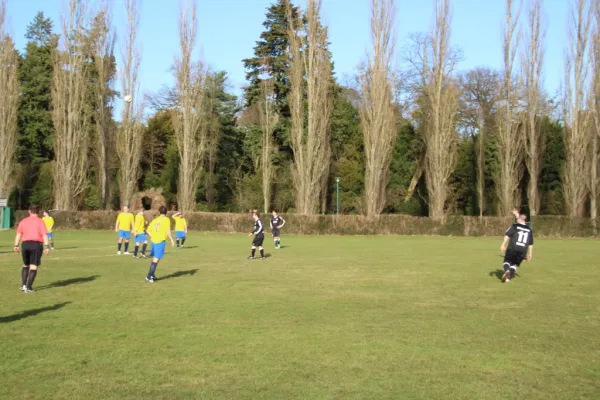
(35, 75)
(271, 50)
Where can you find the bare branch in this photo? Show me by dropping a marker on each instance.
(577, 119)
(190, 120)
(510, 143)
(439, 97)
(310, 58)
(378, 110)
(69, 95)
(532, 61)
(129, 141)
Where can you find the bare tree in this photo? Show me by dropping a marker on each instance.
(532, 71)
(9, 103)
(69, 94)
(577, 119)
(129, 140)
(103, 44)
(190, 120)
(268, 121)
(440, 105)
(510, 141)
(479, 89)
(377, 108)
(595, 132)
(310, 131)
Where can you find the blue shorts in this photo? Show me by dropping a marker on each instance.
(124, 234)
(140, 238)
(157, 250)
(49, 235)
(180, 234)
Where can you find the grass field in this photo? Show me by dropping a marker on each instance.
(322, 318)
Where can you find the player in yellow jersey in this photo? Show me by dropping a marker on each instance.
(49, 222)
(158, 230)
(124, 227)
(139, 232)
(180, 228)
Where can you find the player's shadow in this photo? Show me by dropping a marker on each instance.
(189, 247)
(178, 274)
(69, 282)
(498, 274)
(31, 313)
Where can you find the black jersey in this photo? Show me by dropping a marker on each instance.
(521, 237)
(258, 227)
(277, 221)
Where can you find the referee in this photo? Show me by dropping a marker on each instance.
(31, 233)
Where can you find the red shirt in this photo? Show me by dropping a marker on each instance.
(32, 229)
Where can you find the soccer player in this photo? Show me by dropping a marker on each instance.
(277, 222)
(32, 234)
(519, 238)
(158, 230)
(124, 227)
(139, 232)
(259, 236)
(49, 222)
(180, 228)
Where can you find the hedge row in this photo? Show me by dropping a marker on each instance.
(345, 224)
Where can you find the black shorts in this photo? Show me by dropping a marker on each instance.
(32, 253)
(258, 240)
(275, 232)
(514, 259)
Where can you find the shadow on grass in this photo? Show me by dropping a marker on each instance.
(69, 282)
(189, 247)
(498, 274)
(31, 313)
(178, 274)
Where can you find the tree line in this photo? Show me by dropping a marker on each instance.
(428, 139)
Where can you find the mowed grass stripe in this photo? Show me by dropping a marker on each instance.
(322, 318)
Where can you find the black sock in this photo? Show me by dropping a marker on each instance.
(24, 274)
(31, 277)
(512, 272)
(253, 251)
(144, 249)
(126, 246)
(177, 242)
(119, 246)
(152, 270)
(182, 241)
(136, 250)
(52, 244)
(262, 253)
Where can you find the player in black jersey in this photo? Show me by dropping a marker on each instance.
(259, 236)
(277, 222)
(519, 238)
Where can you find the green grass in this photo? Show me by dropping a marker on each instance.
(323, 318)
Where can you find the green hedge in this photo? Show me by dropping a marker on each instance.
(344, 224)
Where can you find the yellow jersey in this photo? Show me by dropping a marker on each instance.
(179, 223)
(49, 222)
(125, 221)
(140, 224)
(159, 228)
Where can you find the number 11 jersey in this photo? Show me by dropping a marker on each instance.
(521, 237)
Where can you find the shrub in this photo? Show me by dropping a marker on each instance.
(343, 224)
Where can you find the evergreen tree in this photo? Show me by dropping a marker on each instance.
(271, 50)
(35, 74)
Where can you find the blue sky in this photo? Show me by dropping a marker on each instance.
(229, 28)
